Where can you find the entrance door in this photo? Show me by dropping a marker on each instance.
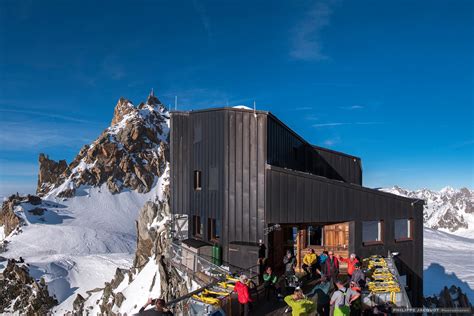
(336, 236)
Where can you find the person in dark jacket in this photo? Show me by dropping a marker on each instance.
(331, 267)
(158, 310)
(290, 262)
(358, 277)
(320, 294)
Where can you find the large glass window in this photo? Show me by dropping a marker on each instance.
(372, 231)
(403, 229)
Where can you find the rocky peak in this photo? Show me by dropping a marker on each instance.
(129, 154)
(447, 209)
(123, 108)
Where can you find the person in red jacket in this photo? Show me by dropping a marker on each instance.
(243, 295)
(351, 262)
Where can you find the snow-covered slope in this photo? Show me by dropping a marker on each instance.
(85, 227)
(448, 210)
(448, 260)
(78, 243)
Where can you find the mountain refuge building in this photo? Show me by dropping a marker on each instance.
(242, 176)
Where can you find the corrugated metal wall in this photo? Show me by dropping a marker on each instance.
(244, 189)
(180, 170)
(295, 198)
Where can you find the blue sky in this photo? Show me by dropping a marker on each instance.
(389, 81)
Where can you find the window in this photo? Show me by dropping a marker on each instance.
(197, 226)
(372, 232)
(403, 229)
(315, 236)
(213, 229)
(197, 180)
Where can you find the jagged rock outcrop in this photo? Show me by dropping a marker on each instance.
(49, 173)
(129, 154)
(21, 293)
(8, 219)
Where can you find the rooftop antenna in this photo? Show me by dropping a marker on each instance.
(254, 109)
(152, 93)
(175, 102)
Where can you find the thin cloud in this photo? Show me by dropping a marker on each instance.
(311, 118)
(303, 108)
(330, 124)
(332, 141)
(353, 107)
(203, 16)
(45, 114)
(306, 36)
(341, 123)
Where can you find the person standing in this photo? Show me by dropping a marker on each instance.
(342, 298)
(331, 267)
(243, 295)
(321, 291)
(351, 262)
(300, 305)
(355, 301)
(289, 262)
(261, 260)
(358, 276)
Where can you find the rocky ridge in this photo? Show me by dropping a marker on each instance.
(448, 209)
(20, 293)
(130, 154)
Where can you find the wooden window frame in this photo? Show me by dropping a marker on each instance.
(411, 230)
(197, 180)
(381, 231)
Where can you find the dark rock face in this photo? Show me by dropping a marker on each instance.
(19, 292)
(49, 173)
(8, 218)
(131, 153)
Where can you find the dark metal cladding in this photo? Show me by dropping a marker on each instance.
(256, 172)
(288, 150)
(341, 202)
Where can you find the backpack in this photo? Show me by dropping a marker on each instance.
(346, 298)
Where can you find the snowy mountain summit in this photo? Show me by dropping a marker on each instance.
(127, 155)
(448, 209)
(95, 238)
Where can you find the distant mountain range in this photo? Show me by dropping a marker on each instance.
(449, 209)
